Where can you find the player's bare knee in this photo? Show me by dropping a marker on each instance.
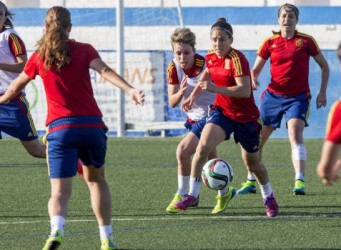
(203, 150)
(94, 178)
(38, 153)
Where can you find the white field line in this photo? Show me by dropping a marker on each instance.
(179, 218)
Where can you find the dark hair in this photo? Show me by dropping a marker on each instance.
(222, 24)
(9, 15)
(291, 6)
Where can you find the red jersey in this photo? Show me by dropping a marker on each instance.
(195, 70)
(333, 130)
(289, 65)
(68, 91)
(223, 72)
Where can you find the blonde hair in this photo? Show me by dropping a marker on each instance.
(183, 35)
(53, 47)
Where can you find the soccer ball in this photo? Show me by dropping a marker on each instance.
(217, 174)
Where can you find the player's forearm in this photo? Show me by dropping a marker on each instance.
(116, 80)
(175, 99)
(12, 91)
(15, 68)
(195, 91)
(235, 91)
(254, 75)
(324, 79)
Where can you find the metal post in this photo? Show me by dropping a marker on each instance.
(180, 14)
(120, 66)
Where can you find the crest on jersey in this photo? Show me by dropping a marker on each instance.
(299, 42)
(227, 64)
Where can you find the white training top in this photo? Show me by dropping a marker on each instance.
(7, 57)
(202, 102)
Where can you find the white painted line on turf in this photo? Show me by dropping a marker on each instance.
(177, 217)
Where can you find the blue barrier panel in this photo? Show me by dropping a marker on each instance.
(192, 16)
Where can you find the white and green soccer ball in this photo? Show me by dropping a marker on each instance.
(217, 174)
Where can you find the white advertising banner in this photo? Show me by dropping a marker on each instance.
(144, 70)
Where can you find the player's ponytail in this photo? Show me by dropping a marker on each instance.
(53, 47)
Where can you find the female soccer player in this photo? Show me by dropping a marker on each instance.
(74, 121)
(330, 164)
(184, 72)
(288, 93)
(234, 111)
(15, 119)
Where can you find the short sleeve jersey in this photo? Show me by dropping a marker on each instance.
(289, 65)
(223, 72)
(205, 99)
(68, 91)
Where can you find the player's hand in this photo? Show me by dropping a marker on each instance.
(336, 171)
(321, 100)
(206, 85)
(2, 101)
(183, 85)
(324, 176)
(187, 104)
(137, 96)
(329, 176)
(255, 85)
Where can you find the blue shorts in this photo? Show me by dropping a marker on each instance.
(273, 107)
(16, 120)
(247, 134)
(196, 127)
(76, 137)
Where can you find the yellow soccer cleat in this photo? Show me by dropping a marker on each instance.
(248, 187)
(108, 244)
(53, 242)
(223, 200)
(299, 188)
(171, 207)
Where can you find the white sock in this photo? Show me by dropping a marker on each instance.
(183, 184)
(194, 186)
(57, 223)
(266, 189)
(299, 176)
(223, 191)
(105, 232)
(250, 176)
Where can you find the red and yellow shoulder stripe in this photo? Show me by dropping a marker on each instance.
(17, 44)
(236, 62)
(199, 62)
(267, 39)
